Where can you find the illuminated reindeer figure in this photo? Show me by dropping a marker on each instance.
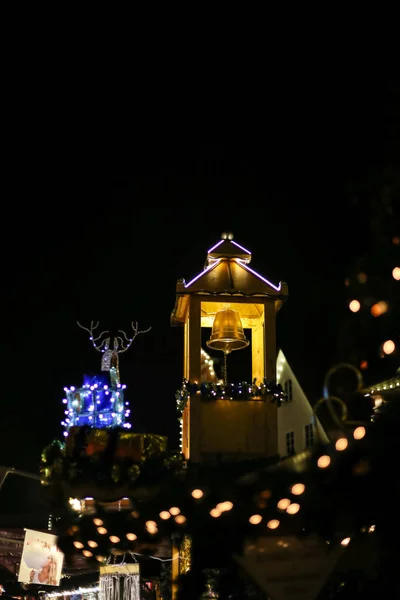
(111, 346)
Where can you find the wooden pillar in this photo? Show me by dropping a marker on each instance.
(270, 340)
(195, 375)
(258, 350)
(194, 340)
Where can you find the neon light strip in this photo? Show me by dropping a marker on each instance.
(232, 242)
(241, 247)
(214, 264)
(216, 246)
(277, 288)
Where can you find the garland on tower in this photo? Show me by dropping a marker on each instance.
(209, 390)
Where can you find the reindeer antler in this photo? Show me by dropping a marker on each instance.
(93, 339)
(136, 332)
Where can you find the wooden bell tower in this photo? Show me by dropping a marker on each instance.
(226, 428)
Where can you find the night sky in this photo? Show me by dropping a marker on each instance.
(111, 248)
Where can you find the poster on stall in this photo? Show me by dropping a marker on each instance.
(41, 560)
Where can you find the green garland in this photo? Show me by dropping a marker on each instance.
(269, 390)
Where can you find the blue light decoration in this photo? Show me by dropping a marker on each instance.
(100, 402)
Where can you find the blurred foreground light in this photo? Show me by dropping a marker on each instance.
(354, 306)
(388, 347)
(273, 524)
(359, 433)
(379, 308)
(324, 461)
(255, 519)
(341, 444)
(298, 488)
(345, 541)
(197, 494)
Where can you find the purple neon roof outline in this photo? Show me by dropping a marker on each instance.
(214, 264)
(241, 247)
(277, 288)
(232, 242)
(216, 246)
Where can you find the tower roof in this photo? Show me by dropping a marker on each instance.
(226, 272)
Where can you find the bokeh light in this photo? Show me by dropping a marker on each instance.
(354, 306)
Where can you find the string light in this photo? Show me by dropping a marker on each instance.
(359, 433)
(354, 306)
(197, 494)
(283, 503)
(273, 524)
(292, 509)
(164, 515)
(341, 444)
(255, 519)
(324, 461)
(114, 539)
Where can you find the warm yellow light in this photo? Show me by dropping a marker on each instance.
(354, 306)
(101, 530)
(100, 558)
(114, 539)
(388, 347)
(75, 504)
(359, 432)
(164, 515)
(78, 545)
(225, 506)
(324, 461)
(131, 537)
(214, 512)
(151, 524)
(174, 510)
(298, 489)
(283, 503)
(87, 553)
(255, 519)
(197, 494)
(345, 541)
(396, 273)
(273, 524)
(341, 444)
(379, 308)
(180, 519)
(98, 522)
(378, 400)
(92, 544)
(293, 508)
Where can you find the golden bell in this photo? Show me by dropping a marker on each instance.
(227, 332)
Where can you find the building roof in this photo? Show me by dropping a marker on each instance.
(226, 271)
(388, 387)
